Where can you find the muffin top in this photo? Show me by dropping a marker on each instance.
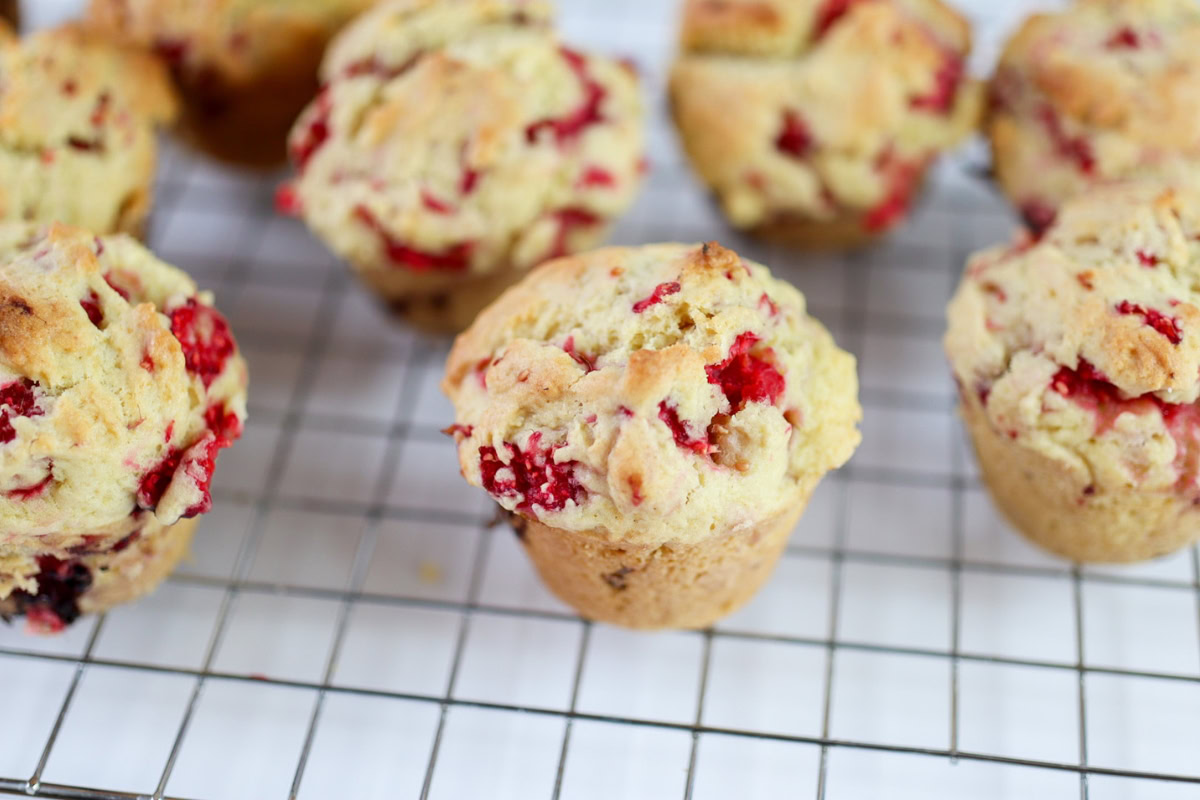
(1102, 89)
(119, 382)
(460, 137)
(236, 39)
(654, 394)
(77, 111)
(1086, 344)
(820, 109)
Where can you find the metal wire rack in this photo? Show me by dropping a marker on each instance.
(352, 625)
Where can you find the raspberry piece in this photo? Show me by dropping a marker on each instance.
(303, 147)
(173, 51)
(1038, 217)
(470, 178)
(1167, 326)
(1146, 259)
(224, 424)
(196, 464)
(940, 98)
(100, 112)
(656, 297)
(453, 259)
(569, 219)
(771, 307)
(1073, 148)
(745, 378)
(572, 124)
(532, 475)
(27, 492)
(1124, 37)
(205, 338)
(16, 400)
(794, 139)
(116, 287)
(434, 204)
(91, 306)
(596, 177)
(287, 200)
(829, 14)
(56, 603)
(587, 362)
(670, 416)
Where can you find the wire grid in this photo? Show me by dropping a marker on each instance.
(354, 625)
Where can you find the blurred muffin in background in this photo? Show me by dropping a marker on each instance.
(1106, 89)
(119, 385)
(77, 129)
(10, 12)
(455, 144)
(814, 121)
(244, 68)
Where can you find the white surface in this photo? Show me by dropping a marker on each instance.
(344, 483)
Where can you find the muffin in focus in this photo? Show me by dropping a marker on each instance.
(654, 420)
(1101, 91)
(244, 68)
(455, 144)
(814, 121)
(77, 129)
(119, 385)
(1078, 362)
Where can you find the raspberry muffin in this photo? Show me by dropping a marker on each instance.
(1078, 361)
(119, 385)
(10, 12)
(1106, 89)
(814, 121)
(654, 421)
(77, 129)
(458, 143)
(245, 68)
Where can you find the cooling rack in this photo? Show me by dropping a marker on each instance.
(353, 625)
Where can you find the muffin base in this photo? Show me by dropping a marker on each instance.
(1051, 507)
(654, 587)
(444, 312)
(116, 577)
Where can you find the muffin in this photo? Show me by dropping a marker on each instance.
(245, 68)
(77, 129)
(1104, 90)
(653, 420)
(814, 121)
(10, 12)
(458, 143)
(1078, 362)
(119, 385)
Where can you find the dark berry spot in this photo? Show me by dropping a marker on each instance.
(1075, 149)
(765, 300)
(794, 138)
(1147, 259)
(16, 400)
(1124, 37)
(29, 492)
(1167, 326)
(453, 259)
(669, 414)
(205, 338)
(287, 200)
(746, 378)
(224, 424)
(572, 124)
(829, 14)
(116, 287)
(1038, 217)
(587, 362)
(91, 306)
(56, 602)
(940, 98)
(661, 291)
(533, 476)
(900, 177)
(434, 204)
(617, 579)
(313, 138)
(596, 177)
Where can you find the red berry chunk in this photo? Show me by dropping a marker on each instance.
(16, 400)
(1167, 326)
(794, 138)
(1038, 217)
(569, 219)
(1125, 37)
(587, 362)
(56, 603)
(596, 177)
(829, 14)
(570, 125)
(305, 146)
(1073, 148)
(661, 291)
(434, 204)
(1146, 259)
(670, 415)
(746, 378)
(533, 476)
(27, 492)
(224, 424)
(91, 306)
(287, 200)
(109, 279)
(940, 98)
(205, 338)
(453, 259)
